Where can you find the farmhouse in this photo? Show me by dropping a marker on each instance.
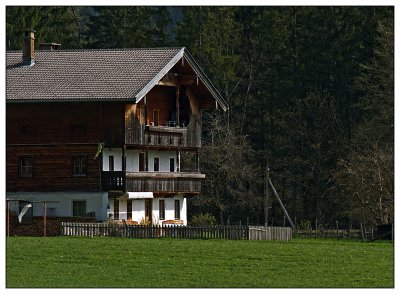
(101, 132)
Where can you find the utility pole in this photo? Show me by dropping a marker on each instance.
(266, 195)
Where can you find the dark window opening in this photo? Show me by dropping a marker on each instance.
(161, 210)
(141, 161)
(111, 163)
(25, 167)
(156, 164)
(177, 209)
(79, 208)
(129, 210)
(172, 164)
(79, 165)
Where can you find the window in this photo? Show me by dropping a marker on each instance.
(79, 208)
(161, 210)
(141, 161)
(172, 164)
(156, 116)
(25, 167)
(177, 209)
(129, 209)
(116, 208)
(111, 163)
(156, 164)
(79, 165)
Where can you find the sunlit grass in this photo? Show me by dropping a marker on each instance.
(141, 263)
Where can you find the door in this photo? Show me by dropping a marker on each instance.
(148, 209)
(141, 161)
(111, 163)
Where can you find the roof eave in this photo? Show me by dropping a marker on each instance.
(160, 75)
(184, 53)
(217, 96)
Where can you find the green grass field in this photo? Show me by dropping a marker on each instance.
(150, 263)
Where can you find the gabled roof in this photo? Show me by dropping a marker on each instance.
(95, 75)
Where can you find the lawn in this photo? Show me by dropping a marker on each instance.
(105, 262)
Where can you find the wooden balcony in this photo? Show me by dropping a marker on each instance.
(113, 180)
(157, 182)
(164, 135)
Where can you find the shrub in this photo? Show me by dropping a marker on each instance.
(203, 220)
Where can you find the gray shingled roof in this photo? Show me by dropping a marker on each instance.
(84, 74)
(95, 75)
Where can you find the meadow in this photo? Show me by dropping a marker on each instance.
(104, 262)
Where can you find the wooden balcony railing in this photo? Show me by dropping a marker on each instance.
(113, 180)
(158, 182)
(168, 136)
(164, 182)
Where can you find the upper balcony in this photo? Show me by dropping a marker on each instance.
(167, 135)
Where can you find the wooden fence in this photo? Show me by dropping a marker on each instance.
(365, 234)
(155, 231)
(270, 233)
(238, 232)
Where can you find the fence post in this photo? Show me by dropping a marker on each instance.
(316, 228)
(362, 231)
(337, 230)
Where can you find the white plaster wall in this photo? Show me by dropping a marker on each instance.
(95, 201)
(117, 153)
(164, 159)
(138, 213)
(138, 210)
(132, 159)
(170, 208)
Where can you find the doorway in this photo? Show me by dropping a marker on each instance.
(148, 209)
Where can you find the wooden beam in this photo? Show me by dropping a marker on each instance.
(177, 103)
(280, 202)
(266, 200)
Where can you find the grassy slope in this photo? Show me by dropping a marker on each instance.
(115, 262)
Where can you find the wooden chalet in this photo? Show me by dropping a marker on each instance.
(101, 131)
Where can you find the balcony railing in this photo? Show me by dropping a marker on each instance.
(158, 182)
(168, 135)
(113, 180)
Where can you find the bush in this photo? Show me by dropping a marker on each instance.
(304, 225)
(203, 220)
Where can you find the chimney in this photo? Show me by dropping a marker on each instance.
(28, 52)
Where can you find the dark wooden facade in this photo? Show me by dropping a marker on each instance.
(52, 168)
(52, 133)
